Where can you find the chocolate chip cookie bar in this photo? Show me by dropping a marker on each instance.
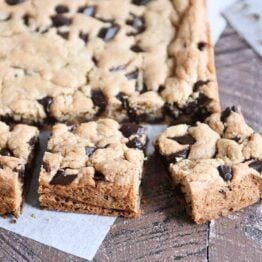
(94, 167)
(217, 164)
(139, 60)
(17, 147)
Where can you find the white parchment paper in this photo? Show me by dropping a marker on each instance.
(77, 234)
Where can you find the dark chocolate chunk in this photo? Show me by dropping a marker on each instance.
(64, 35)
(26, 19)
(14, 2)
(90, 150)
(184, 140)
(108, 33)
(257, 165)
(46, 102)
(129, 129)
(225, 172)
(132, 75)
(175, 157)
(6, 152)
(84, 36)
(198, 84)
(61, 179)
(226, 113)
(61, 9)
(46, 167)
(202, 45)
(98, 176)
(88, 11)
(136, 49)
(99, 100)
(138, 23)
(61, 20)
(135, 143)
(140, 2)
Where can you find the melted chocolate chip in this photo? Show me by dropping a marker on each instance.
(138, 23)
(184, 140)
(99, 100)
(46, 102)
(108, 33)
(61, 20)
(129, 129)
(140, 2)
(132, 75)
(88, 11)
(46, 167)
(84, 36)
(225, 172)
(257, 165)
(226, 113)
(5, 152)
(175, 157)
(198, 84)
(14, 2)
(61, 9)
(64, 35)
(61, 179)
(90, 150)
(136, 49)
(135, 143)
(202, 45)
(98, 176)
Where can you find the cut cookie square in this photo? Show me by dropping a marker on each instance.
(94, 167)
(74, 61)
(217, 164)
(17, 150)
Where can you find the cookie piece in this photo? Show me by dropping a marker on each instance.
(95, 167)
(217, 164)
(17, 147)
(128, 60)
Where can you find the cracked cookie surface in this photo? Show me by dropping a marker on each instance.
(218, 164)
(17, 146)
(95, 167)
(76, 60)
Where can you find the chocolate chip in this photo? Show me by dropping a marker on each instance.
(14, 2)
(161, 89)
(175, 157)
(135, 143)
(108, 33)
(5, 152)
(61, 179)
(132, 75)
(88, 11)
(98, 176)
(84, 36)
(225, 172)
(136, 49)
(26, 19)
(226, 113)
(202, 45)
(138, 23)
(257, 165)
(61, 9)
(140, 2)
(184, 140)
(99, 100)
(117, 68)
(64, 35)
(46, 167)
(61, 20)
(90, 150)
(125, 104)
(46, 102)
(198, 84)
(129, 129)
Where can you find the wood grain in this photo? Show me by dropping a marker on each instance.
(165, 232)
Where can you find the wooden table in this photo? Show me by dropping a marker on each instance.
(165, 232)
